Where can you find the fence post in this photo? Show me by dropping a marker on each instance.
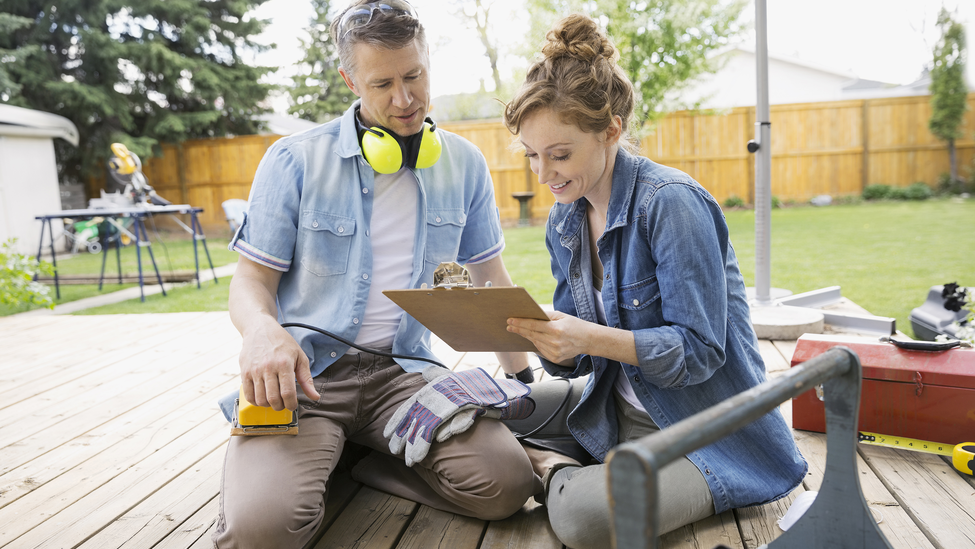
(865, 145)
(181, 173)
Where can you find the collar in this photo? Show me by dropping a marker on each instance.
(624, 183)
(621, 195)
(348, 142)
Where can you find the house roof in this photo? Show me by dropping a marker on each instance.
(19, 121)
(746, 48)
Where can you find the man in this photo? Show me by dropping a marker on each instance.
(324, 236)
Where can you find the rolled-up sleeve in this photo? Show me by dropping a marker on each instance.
(482, 239)
(268, 233)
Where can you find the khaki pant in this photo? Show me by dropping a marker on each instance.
(581, 519)
(274, 487)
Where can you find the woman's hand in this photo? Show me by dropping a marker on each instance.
(565, 337)
(560, 340)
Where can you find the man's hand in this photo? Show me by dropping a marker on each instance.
(270, 363)
(270, 359)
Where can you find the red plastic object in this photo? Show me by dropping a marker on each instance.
(915, 394)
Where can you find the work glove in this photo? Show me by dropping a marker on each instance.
(448, 405)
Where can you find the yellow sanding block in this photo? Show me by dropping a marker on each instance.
(252, 420)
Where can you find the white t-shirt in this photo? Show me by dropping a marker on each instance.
(622, 383)
(392, 234)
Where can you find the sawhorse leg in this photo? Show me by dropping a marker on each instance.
(140, 227)
(198, 235)
(54, 259)
(118, 259)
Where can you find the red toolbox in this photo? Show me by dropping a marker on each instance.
(926, 395)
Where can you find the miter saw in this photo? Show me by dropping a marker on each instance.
(125, 169)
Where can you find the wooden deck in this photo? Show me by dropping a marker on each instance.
(110, 437)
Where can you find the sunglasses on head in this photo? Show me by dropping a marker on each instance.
(360, 16)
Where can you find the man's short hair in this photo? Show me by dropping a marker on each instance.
(387, 29)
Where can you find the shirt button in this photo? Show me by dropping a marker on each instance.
(365, 276)
(365, 191)
(333, 354)
(575, 275)
(341, 229)
(314, 224)
(636, 302)
(367, 233)
(607, 276)
(355, 320)
(636, 379)
(439, 220)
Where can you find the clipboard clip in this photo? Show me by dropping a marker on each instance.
(451, 275)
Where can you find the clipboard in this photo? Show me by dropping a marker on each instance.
(471, 319)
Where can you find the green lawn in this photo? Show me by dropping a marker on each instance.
(884, 256)
(187, 298)
(173, 252)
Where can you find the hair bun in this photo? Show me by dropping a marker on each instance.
(578, 36)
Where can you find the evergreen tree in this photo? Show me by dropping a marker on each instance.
(948, 91)
(319, 93)
(138, 72)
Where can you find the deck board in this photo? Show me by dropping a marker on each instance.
(110, 437)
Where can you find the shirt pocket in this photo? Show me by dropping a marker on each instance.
(327, 243)
(639, 304)
(444, 229)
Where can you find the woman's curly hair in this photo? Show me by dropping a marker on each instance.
(578, 78)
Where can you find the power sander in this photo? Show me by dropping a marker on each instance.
(252, 420)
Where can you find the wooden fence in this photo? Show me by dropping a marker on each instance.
(834, 148)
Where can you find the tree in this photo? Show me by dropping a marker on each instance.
(138, 72)
(664, 44)
(948, 90)
(476, 14)
(319, 93)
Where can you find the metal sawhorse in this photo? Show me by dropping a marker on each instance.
(139, 234)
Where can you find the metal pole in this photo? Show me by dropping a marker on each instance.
(763, 163)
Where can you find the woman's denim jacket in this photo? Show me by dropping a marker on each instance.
(671, 278)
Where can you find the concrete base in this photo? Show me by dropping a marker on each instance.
(774, 293)
(782, 322)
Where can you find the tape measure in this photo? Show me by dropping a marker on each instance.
(962, 455)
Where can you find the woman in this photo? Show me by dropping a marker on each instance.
(649, 299)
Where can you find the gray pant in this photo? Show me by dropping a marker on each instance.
(578, 501)
(274, 487)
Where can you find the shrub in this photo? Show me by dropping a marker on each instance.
(734, 201)
(17, 285)
(897, 193)
(776, 203)
(957, 186)
(848, 199)
(877, 192)
(917, 191)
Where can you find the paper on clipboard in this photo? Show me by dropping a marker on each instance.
(471, 319)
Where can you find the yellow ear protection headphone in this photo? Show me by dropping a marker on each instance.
(387, 152)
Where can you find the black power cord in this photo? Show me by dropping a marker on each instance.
(565, 399)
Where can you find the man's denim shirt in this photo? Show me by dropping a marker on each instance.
(670, 277)
(309, 216)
